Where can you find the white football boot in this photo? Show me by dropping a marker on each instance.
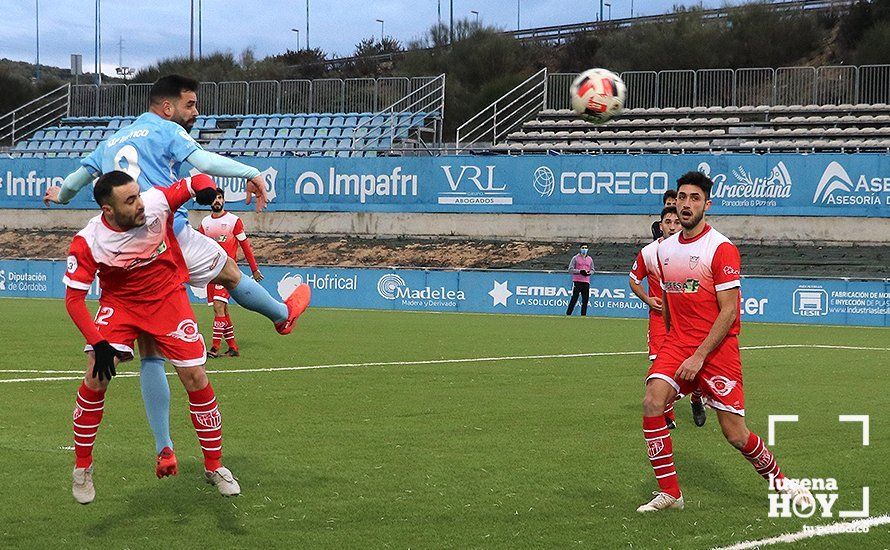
(224, 481)
(82, 487)
(662, 501)
(799, 494)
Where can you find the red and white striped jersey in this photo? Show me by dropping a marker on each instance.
(142, 264)
(226, 230)
(646, 266)
(692, 272)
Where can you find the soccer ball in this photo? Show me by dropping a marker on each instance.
(598, 95)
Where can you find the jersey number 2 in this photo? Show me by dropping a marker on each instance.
(103, 314)
(127, 160)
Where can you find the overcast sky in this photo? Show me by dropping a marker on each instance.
(156, 29)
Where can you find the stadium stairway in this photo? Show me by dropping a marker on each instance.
(761, 129)
(301, 134)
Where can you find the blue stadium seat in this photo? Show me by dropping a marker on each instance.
(269, 133)
(298, 121)
(295, 133)
(282, 133)
(209, 123)
(335, 132)
(305, 144)
(32, 144)
(252, 146)
(61, 134)
(80, 145)
(338, 120)
(256, 133)
(278, 146)
(350, 120)
(311, 121)
(324, 121)
(230, 133)
(274, 122)
(286, 122)
(321, 132)
(50, 134)
(226, 144)
(265, 145)
(259, 122)
(67, 145)
(244, 133)
(247, 122)
(239, 145)
(291, 144)
(92, 145)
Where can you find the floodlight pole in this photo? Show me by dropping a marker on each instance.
(98, 50)
(381, 30)
(192, 30)
(37, 34)
(451, 24)
(307, 24)
(518, 25)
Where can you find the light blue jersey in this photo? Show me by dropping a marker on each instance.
(151, 150)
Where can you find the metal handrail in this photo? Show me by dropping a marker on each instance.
(431, 94)
(28, 118)
(466, 137)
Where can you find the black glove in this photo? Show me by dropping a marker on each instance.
(105, 355)
(205, 196)
(585, 273)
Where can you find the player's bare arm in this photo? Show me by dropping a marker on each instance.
(652, 301)
(728, 302)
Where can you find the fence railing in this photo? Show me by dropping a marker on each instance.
(254, 97)
(507, 113)
(407, 121)
(23, 122)
(826, 85)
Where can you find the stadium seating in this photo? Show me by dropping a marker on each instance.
(309, 134)
(761, 129)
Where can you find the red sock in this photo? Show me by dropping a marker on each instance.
(669, 412)
(229, 333)
(761, 458)
(219, 326)
(88, 409)
(696, 396)
(208, 425)
(661, 454)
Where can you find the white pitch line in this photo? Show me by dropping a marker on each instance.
(841, 527)
(421, 362)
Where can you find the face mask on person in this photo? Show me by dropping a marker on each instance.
(584, 251)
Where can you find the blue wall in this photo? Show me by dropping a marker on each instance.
(810, 301)
(768, 185)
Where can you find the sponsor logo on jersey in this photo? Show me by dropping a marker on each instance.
(139, 262)
(729, 270)
(187, 331)
(721, 385)
(691, 286)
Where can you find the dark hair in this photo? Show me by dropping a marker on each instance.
(668, 210)
(106, 183)
(171, 87)
(669, 194)
(697, 179)
(220, 192)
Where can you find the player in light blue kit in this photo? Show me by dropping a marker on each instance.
(151, 151)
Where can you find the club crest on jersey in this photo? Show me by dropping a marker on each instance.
(155, 226)
(721, 385)
(655, 447)
(187, 331)
(693, 261)
(209, 419)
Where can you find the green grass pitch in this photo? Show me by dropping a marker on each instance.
(540, 452)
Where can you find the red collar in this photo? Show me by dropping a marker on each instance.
(684, 240)
(106, 224)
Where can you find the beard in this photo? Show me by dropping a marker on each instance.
(693, 221)
(129, 222)
(216, 207)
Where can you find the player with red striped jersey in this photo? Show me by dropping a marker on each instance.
(701, 280)
(227, 230)
(646, 267)
(132, 247)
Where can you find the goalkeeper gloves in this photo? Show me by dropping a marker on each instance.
(105, 355)
(585, 273)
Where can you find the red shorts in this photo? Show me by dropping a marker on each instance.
(170, 322)
(720, 378)
(657, 333)
(218, 293)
